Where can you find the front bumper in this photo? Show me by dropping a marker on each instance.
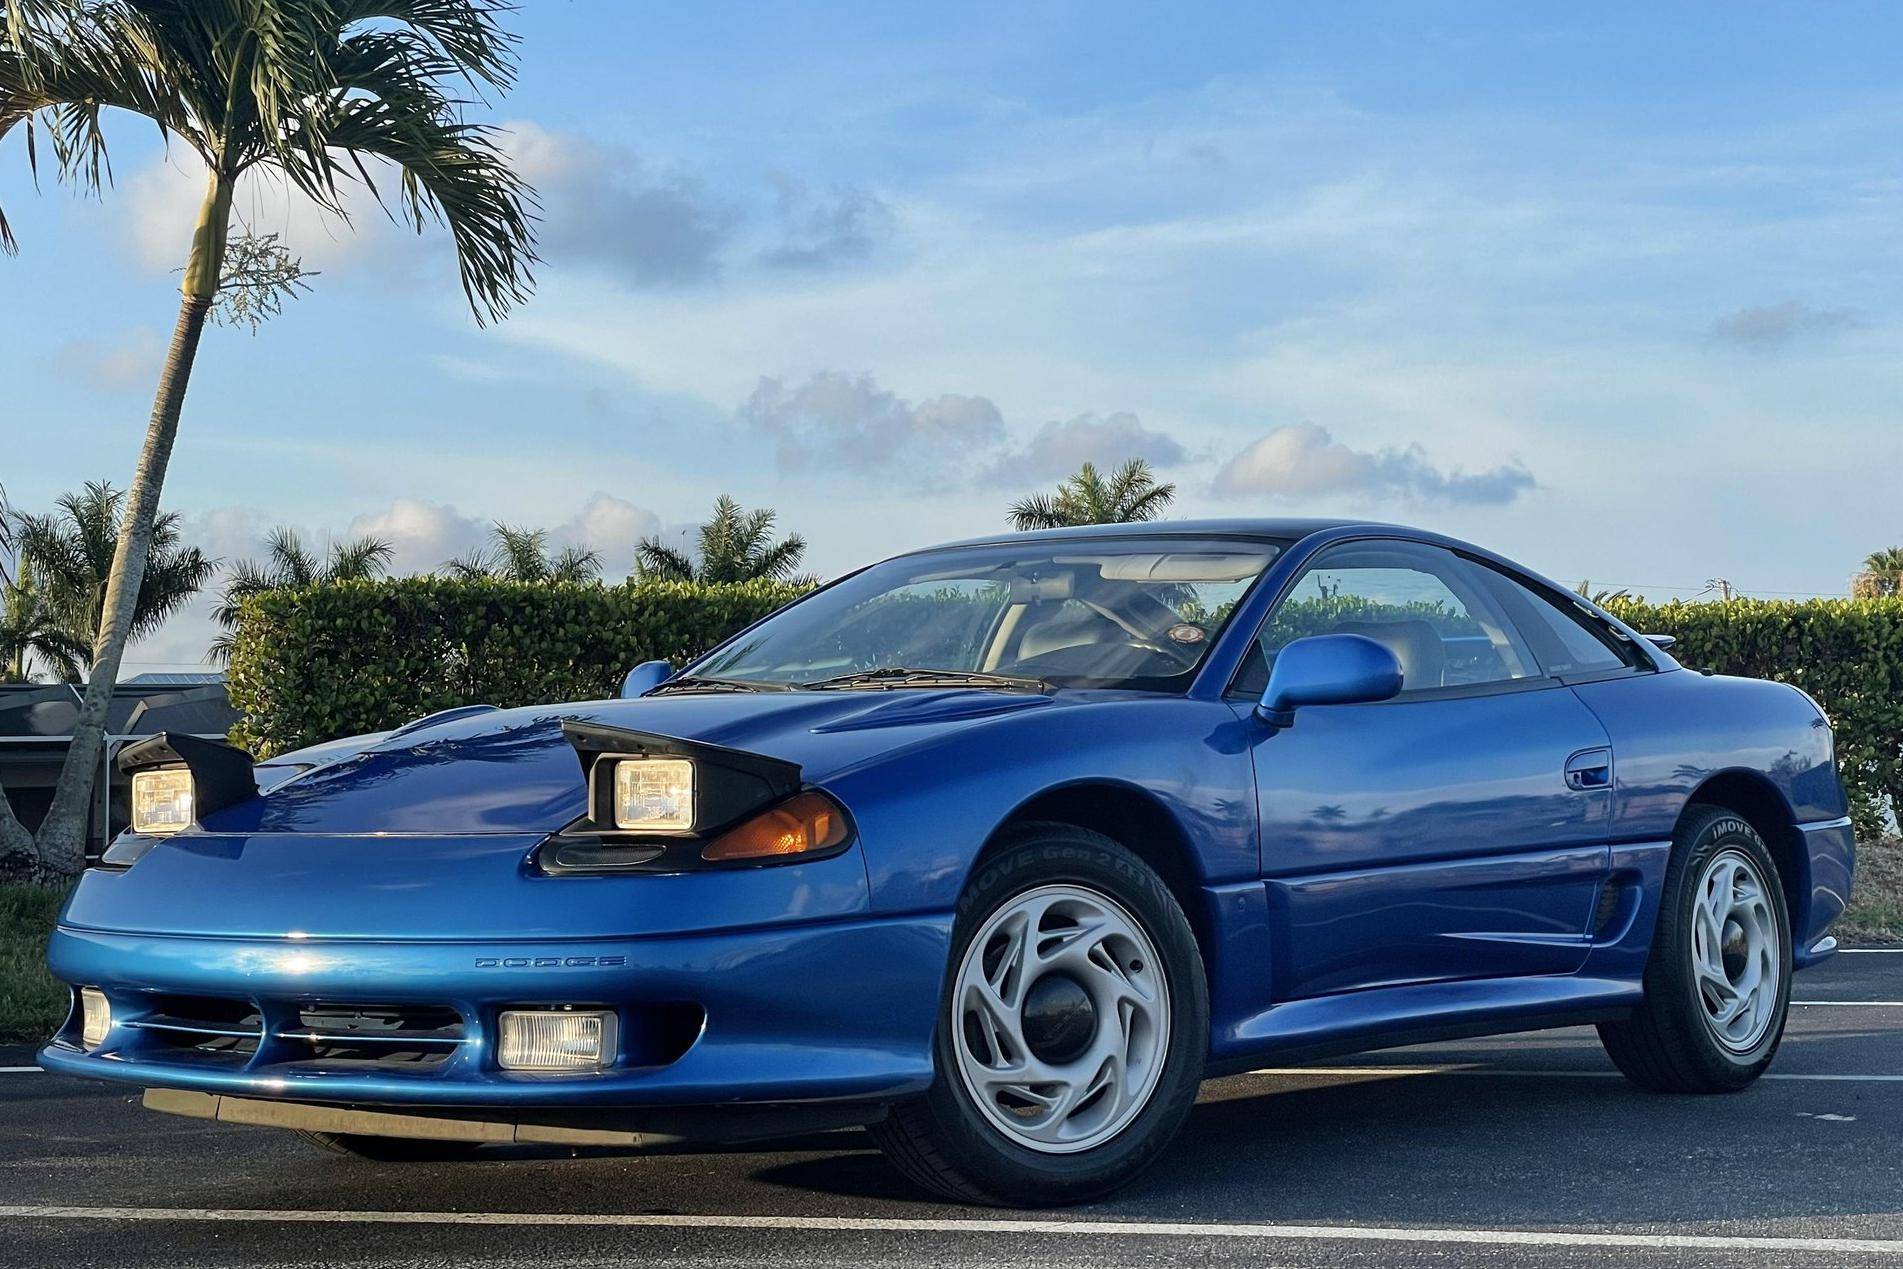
(841, 1010)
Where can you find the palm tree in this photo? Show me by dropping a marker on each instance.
(519, 554)
(322, 94)
(1882, 576)
(68, 556)
(30, 628)
(289, 564)
(1131, 494)
(735, 546)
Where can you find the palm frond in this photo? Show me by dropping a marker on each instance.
(776, 563)
(474, 566)
(358, 560)
(575, 564)
(656, 561)
(450, 173)
(1039, 511)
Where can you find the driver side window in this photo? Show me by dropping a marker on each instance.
(1418, 601)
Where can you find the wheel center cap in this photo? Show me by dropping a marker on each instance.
(1735, 949)
(1059, 1019)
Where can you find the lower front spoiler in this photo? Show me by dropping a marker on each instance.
(835, 1011)
(500, 1126)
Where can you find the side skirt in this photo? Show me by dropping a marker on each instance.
(1387, 1017)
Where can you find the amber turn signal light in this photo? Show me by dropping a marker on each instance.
(798, 826)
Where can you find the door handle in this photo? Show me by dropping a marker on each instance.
(1589, 769)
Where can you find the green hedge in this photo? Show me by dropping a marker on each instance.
(1847, 653)
(337, 659)
(343, 658)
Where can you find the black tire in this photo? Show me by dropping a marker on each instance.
(943, 1142)
(390, 1149)
(1667, 1045)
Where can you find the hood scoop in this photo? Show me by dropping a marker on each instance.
(906, 709)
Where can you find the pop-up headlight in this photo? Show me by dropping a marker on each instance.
(653, 794)
(163, 801)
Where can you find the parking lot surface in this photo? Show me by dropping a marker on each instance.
(1525, 1150)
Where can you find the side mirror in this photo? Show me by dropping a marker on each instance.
(1331, 669)
(644, 677)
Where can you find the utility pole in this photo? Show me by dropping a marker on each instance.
(1720, 585)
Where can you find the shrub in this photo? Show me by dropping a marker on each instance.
(342, 658)
(348, 657)
(1847, 653)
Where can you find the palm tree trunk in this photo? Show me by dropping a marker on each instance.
(16, 844)
(62, 837)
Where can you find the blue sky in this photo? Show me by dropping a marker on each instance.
(1610, 289)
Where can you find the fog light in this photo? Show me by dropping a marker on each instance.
(95, 1017)
(555, 1040)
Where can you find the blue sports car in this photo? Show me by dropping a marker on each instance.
(998, 848)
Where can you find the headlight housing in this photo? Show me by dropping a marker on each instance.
(164, 800)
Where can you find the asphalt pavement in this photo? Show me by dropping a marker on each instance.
(1524, 1150)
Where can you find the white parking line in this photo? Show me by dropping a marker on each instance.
(1851, 1004)
(1525, 1073)
(18, 1070)
(1870, 951)
(914, 1225)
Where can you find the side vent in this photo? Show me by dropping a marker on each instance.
(1615, 907)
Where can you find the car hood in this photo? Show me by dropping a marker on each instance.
(512, 771)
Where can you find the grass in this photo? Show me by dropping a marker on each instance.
(1876, 896)
(32, 1002)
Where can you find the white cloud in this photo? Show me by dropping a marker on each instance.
(423, 535)
(602, 207)
(835, 420)
(1061, 447)
(610, 526)
(165, 198)
(1303, 461)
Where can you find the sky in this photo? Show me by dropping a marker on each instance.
(1611, 289)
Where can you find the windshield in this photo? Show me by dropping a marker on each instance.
(1081, 612)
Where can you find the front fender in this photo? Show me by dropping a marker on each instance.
(925, 812)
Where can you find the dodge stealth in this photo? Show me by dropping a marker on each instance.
(997, 849)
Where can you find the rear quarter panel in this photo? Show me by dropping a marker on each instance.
(1672, 732)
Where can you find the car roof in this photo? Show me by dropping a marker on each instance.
(1283, 528)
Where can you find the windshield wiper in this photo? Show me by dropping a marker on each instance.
(898, 676)
(702, 683)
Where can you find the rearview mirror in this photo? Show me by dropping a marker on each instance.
(1330, 669)
(644, 678)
